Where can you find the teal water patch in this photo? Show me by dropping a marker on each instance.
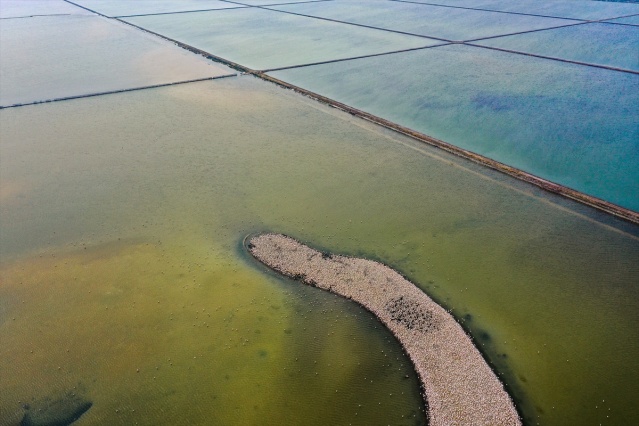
(602, 44)
(433, 21)
(124, 7)
(50, 57)
(261, 39)
(587, 10)
(570, 124)
(631, 20)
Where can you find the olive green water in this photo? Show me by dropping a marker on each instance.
(123, 273)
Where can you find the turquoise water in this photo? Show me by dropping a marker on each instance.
(262, 39)
(121, 241)
(570, 124)
(434, 21)
(576, 9)
(632, 20)
(589, 43)
(50, 57)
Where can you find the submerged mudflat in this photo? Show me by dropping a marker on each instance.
(459, 386)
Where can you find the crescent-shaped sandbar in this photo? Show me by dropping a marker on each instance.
(458, 385)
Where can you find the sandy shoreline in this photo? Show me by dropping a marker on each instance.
(459, 386)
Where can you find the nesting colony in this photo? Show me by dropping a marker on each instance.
(459, 386)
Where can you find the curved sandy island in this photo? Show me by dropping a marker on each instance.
(459, 387)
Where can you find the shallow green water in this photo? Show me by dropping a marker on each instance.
(121, 251)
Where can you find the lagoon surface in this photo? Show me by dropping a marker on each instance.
(122, 250)
(124, 280)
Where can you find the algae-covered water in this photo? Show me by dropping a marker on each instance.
(124, 278)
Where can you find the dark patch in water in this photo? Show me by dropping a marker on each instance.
(58, 410)
(466, 224)
(468, 317)
(485, 336)
(425, 103)
(509, 102)
(495, 102)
